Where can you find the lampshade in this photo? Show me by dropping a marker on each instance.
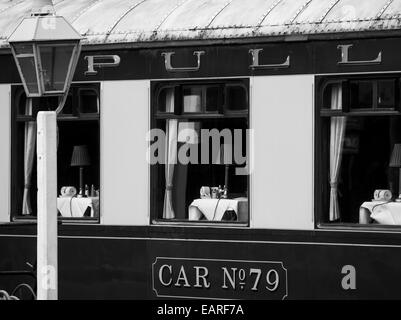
(395, 160)
(80, 156)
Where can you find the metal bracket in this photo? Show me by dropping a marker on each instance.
(255, 61)
(170, 68)
(100, 62)
(345, 58)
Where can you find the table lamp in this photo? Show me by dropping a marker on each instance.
(225, 155)
(395, 162)
(80, 158)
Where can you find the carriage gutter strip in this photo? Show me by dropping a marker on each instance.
(215, 240)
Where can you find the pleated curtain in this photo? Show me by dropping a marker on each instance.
(170, 157)
(29, 154)
(337, 132)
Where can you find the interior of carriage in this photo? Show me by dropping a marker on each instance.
(360, 143)
(78, 130)
(198, 178)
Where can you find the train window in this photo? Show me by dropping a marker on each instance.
(201, 98)
(192, 99)
(68, 108)
(361, 94)
(327, 90)
(39, 104)
(199, 175)
(213, 99)
(163, 100)
(360, 153)
(386, 97)
(236, 98)
(78, 149)
(88, 100)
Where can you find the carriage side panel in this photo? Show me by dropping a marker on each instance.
(282, 177)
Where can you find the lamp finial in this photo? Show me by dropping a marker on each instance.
(42, 8)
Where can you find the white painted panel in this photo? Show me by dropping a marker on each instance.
(5, 155)
(282, 179)
(124, 169)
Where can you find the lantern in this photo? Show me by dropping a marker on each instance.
(46, 49)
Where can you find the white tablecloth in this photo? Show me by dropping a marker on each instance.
(76, 207)
(384, 212)
(207, 208)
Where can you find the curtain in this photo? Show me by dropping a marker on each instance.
(170, 157)
(337, 131)
(180, 188)
(29, 154)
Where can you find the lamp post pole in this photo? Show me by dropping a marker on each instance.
(47, 248)
(47, 233)
(36, 43)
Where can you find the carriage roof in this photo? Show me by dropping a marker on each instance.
(139, 21)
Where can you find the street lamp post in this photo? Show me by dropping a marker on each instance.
(46, 50)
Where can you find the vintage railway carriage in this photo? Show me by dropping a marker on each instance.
(304, 99)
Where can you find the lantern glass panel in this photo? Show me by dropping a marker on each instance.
(28, 70)
(55, 62)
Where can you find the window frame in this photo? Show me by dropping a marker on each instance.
(16, 119)
(321, 113)
(203, 88)
(156, 115)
